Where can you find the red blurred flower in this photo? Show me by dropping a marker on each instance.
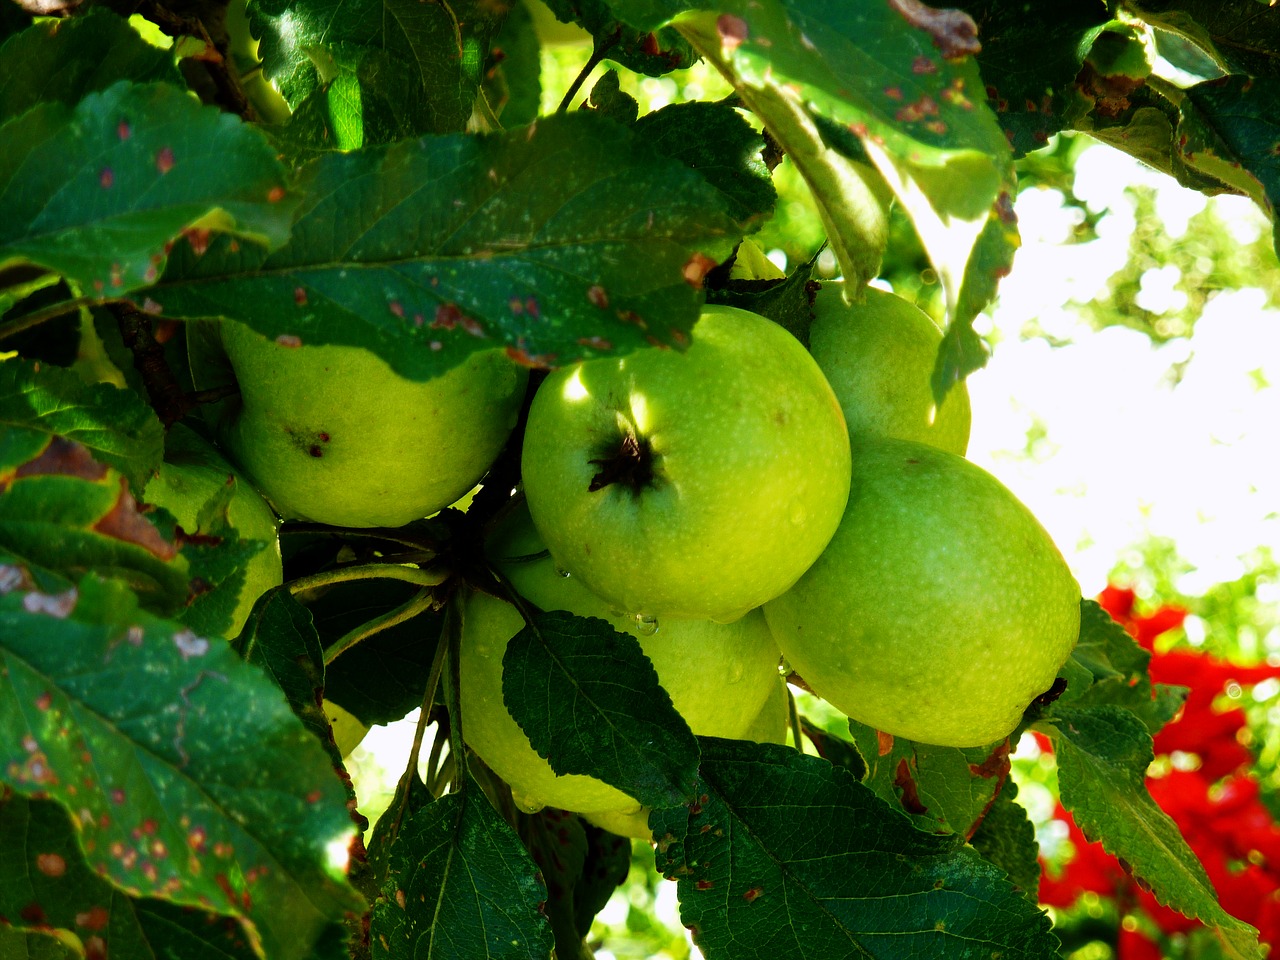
(1216, 805)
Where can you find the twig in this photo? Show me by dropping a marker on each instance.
(598, 52)
(419, 733)
(51, 312)
(167, 397)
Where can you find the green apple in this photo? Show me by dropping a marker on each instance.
(333, 434)
(192, 473)
(348, 730)
(769, 726)
(695, 484)
(940, 609)
(878, 354)
(718, 676)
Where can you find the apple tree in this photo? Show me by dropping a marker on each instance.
(301, 304)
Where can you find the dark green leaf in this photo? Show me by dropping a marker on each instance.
(646, 50)
(944, 789)
(608, 100)
(188, 777)
(461, 887)
(1103, 753)
(115, 426)
(1112, 669)
(513, 75)
(902, 80)
(55, 341)
(99, 191)
(1007, 838)
(1030, 63)
(590, 703)
(414, 67)
(788, 302)
(368, 877)
(280, 640)
(383, 677)
(47, 884)
(1243, 35)
(715, 140)
(64, 60)
(784, 855)
(568, 239)
(1231, 130)
(64, 513)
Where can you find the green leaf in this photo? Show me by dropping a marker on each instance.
(608, 100)
(590, 703)
(115, 426)
(383, 677)
(414, 67)
(1112, 669)
(280, 640)
(717, 141)
(784, 855)
(581, 865)
(646, 50)
(1103, 753)
(1241, 37)
(187, 775)
(962, 351)
(47, 885)
(1029, 63)
(568, 239)
(461, 887)
(944, 789)
(900, 77)
(512, 82)
(1007, 838)
(65, 60)
(98, 192)
(787, 302)
(1230, 131)
(63, 513)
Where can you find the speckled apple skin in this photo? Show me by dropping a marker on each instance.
(332, 434)
(878, 354)
(751, 470)
(940, 609)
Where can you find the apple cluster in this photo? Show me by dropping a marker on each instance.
(740, 505)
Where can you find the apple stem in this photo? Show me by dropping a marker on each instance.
(630, 465)
(403, 790)
(420, 602)
(430, 577)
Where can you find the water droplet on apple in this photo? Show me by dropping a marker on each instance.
(646, 625)
(526, 803)
(562, 572)
(798, 514)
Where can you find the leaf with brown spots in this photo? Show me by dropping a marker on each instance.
(454, 244)
(82, 193)
(785, 855)
(186, 776)
(41, 867)
(945, 789)
(113, 426)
